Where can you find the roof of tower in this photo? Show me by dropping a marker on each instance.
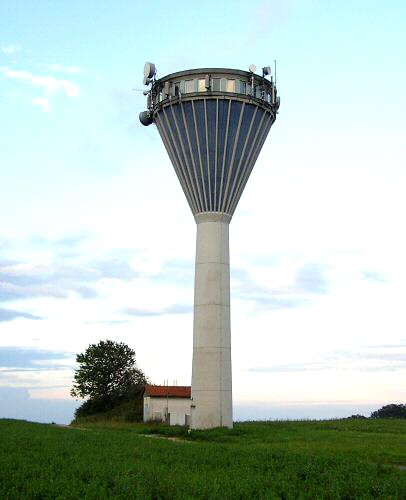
(221, 71)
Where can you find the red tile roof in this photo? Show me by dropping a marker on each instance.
(170, 391)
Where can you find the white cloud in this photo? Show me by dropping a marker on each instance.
(50, 84)
(43, 103)
(60, 68)
(10, 49)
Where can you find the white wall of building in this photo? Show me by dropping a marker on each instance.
(157, 408)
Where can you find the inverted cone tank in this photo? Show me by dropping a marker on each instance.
(213, 123)
(214, 136)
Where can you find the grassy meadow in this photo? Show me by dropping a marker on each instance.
(337, 459)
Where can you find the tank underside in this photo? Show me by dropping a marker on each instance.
(213, 144)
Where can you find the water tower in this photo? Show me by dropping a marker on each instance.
(213, 122)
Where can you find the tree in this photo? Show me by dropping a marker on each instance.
(390, 411)
(107, 371)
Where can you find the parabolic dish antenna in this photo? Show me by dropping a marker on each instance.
(149, 70)
(252, 68)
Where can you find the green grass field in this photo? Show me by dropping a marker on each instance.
(341, 459)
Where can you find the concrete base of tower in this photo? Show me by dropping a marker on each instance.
(211, 409)
(212, 404)
(211, 371)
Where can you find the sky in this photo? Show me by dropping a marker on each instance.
(97, 240)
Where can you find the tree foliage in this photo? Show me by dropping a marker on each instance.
(127, 407)
(390, 411)
(107, 371)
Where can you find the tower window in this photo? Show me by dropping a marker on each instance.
(201, 85)
(243, 87)
(230, 85)
(216, 84)
(189, 86)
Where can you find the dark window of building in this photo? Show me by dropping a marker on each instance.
(223, 85)
(216, 84)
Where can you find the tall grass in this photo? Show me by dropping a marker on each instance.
(333, 459)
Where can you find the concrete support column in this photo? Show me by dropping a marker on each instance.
(211, 371)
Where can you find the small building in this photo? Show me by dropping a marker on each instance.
(167, 403)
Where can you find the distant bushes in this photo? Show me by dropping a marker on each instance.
(390, 411)
(387, 411)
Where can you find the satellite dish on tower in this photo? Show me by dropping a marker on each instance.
(145, 118)
(149, 70)
(266, 71)
(252, 68)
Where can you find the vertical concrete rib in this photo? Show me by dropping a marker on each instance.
(266, 128)
(200, 158)
(248, 166)
(176, 163)
(211, 372)
(216, 156)
(183, 164)
(223, 166)
(255, 149)
(208, 154)
(188, 167)
(232, 166)
(237, 174)
(192, 156)
(180, 155)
